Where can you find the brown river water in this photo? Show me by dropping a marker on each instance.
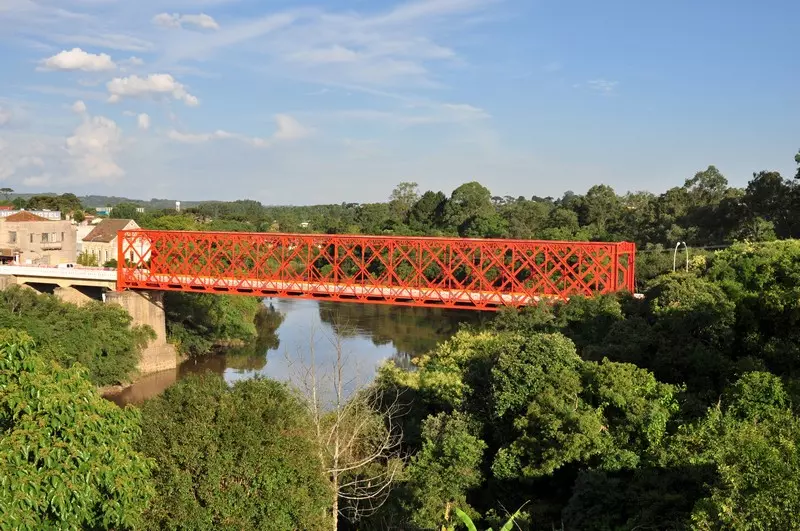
(295, 332)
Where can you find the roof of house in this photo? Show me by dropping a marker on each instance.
(106, 230)
(25, 216)
(7, 207)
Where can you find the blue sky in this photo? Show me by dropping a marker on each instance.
(295, 102)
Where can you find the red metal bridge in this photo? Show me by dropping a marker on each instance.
(480, 274)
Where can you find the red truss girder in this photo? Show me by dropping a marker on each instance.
(449, 272)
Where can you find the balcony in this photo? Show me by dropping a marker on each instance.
(51, 246)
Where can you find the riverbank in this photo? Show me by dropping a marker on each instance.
(373, 334)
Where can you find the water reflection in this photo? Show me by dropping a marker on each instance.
(293, 332)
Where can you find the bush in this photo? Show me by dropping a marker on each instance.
(233, 458)
(197, 322)
(67, 459)
(97, 335)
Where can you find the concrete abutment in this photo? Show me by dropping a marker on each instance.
(147, 308)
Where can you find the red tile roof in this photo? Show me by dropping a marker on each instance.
(6, 207)
(106, 230)
(25, 216)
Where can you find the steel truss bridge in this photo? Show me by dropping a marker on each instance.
(480, 274)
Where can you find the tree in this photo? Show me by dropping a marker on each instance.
(240, 457)
(98, 336)
(706, 187)
(565, 410)
(79, 216)
(403, 197)
(124, 211)
(64, 203)
(198, 322)
(426, 214)
(87, 259)
(600, 208)
(469, 199)
(67, 457)
(359, 437)
(768, 197)
(751, 439)
(444, 469)
(7, 193)
(797, 160)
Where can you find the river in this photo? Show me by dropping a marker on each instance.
(293, 332)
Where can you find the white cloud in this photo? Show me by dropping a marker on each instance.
(92, 149)
(143, 121)
(154, 85)
(79, 107)
(189, 138)
(333, 54)
(603, 85)
(134, 61)
(423, 113)
(288, 128)
(174, 20)
(5, 116)
(77, 59)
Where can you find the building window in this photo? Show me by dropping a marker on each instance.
(31, 237)
(12, 236)
(45, 237)
(62, 236)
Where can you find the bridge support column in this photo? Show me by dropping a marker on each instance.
(71, 295)
(147, 308)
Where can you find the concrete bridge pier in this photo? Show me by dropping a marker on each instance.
(147, 308)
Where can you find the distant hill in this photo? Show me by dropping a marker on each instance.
(94, 201)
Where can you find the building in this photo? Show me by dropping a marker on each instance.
(101, 242)
(52, 215)
(30, 239)
(103, 211)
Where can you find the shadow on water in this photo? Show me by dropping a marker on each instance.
(288, 329)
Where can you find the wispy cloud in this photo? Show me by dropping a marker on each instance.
(287, 128)
(113, 41)
(602, 85)
(175, 20)
(389, 49)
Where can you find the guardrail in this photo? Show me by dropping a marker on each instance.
(87, 273)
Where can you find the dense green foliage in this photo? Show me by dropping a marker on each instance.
(233, 458)
(98, 336)
(198, 322)
(67, 459)
(669, 412)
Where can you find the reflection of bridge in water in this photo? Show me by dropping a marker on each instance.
(445, 272)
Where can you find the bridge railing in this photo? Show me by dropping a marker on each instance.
(85, 273)
(399, 270)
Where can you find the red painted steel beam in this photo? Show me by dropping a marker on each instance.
(481, 274)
